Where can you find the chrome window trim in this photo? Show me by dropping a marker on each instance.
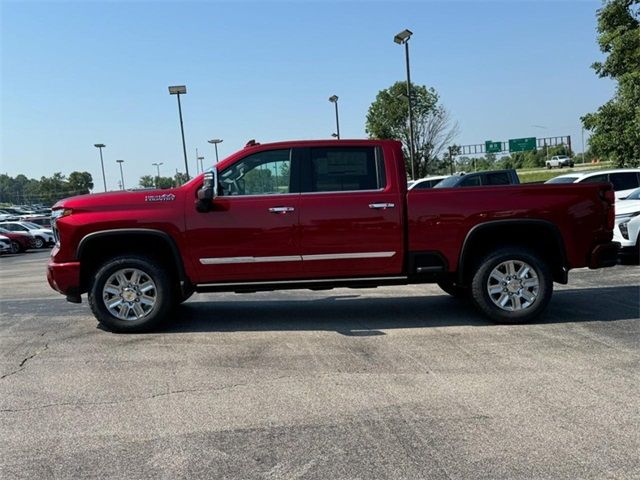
(334, 192)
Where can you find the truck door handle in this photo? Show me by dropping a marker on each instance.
(281, 209)
(382, 206)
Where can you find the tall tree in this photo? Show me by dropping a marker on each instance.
(434, 131)
(616, 124)
(80, 182)
(147, 181)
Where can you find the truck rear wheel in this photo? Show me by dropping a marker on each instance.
(131, 294)
(512, 285)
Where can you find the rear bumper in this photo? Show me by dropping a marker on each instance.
(604, 255)
(64, 277)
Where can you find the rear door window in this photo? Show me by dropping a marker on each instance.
(624, 181)
(343, 169)
(499, 178)
(470, 182)
(597, 179)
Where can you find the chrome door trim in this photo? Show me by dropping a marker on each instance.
(295, 258)
(347, 256)
(232, 260)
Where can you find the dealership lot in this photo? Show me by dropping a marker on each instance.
(394, 382)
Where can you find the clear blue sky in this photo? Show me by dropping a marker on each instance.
(79, 73)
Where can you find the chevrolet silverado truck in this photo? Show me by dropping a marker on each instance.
(320, 215)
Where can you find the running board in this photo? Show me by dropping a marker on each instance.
(316, 284)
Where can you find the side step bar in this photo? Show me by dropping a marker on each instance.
(313, 284)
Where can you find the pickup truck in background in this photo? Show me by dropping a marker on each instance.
(559, 161)
(321, 215)
(478, 179)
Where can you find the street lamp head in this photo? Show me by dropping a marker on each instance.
(403, 37)
(215, 140)
(333, 98)
(334, 135)
(120, 161)
(99, 145)
(200, 158)
(177, 89)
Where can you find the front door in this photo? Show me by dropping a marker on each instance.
(251, 232)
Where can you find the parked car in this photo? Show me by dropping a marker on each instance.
(20, 241)
(478, 179)
(344, 220)
(624, 180)
(627, 229)
(559, 161)
(43, 221)
(426, 182)
(7, 216)
(43, 236)
(5, 244)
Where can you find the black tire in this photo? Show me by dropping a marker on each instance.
(39, 243)
(15, 247)
(162, 293)
(496, 260)
(452, 289)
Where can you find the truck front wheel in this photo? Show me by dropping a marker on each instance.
(131, 294)
(512, 285)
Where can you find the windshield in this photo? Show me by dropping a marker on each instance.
(562, 180)
(32, 226)
(635, 195)
(451, 181)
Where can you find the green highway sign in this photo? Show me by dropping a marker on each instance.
(492, 147)
(522, 144)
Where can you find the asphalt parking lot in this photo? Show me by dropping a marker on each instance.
(394, 382)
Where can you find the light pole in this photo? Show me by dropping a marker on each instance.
(334, 99)
(215, 142)
(100, 146)
(200, 159)
(403, 39)
(583, 152)
(157, 165)
(121, 174)
(181, 90)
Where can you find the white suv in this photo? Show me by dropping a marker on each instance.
(559, 161)
(627, 229)
(43, 236)
(624, 180)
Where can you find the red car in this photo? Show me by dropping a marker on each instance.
(19, 241)
(319, 215)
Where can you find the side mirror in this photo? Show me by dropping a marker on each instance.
(208, 191)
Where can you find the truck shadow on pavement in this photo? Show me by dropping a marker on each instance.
(354, 315)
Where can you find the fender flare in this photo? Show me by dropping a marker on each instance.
(552, 228)
(120, 232)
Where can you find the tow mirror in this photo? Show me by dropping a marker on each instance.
(208, 191)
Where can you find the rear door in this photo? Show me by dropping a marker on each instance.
(350, 213)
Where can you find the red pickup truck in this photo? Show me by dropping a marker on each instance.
(320, 215)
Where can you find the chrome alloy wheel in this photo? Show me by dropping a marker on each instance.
(129, 294)
(513, 285)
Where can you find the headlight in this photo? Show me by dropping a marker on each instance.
(624, 229)
(60, 212)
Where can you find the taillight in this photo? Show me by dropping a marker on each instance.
(609, 200)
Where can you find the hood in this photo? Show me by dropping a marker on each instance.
(624, 207)
(109, 200)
